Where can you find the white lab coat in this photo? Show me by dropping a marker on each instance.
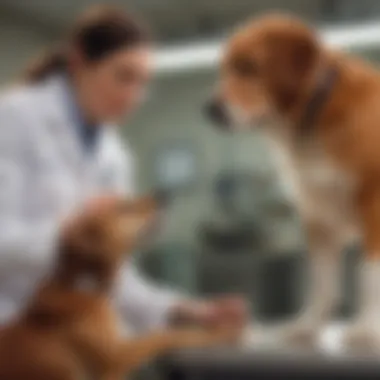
(44, 176)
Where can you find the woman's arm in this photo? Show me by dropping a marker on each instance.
(25, 241)
(144, 305)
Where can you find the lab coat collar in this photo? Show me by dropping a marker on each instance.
(88, 134)
(63, 128)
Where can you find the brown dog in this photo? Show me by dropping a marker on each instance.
(69, 330)
(321, 112)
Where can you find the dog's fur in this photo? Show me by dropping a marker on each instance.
(271, 68)
(70, 330)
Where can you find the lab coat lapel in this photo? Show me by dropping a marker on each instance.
(63, 131)
(87, 169)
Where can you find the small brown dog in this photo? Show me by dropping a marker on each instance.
(321, 112)
(69, 330)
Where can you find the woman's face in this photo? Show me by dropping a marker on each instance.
(115, 86)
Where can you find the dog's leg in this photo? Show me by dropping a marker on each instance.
(324, 285)
(364, 334)
(136, 352)
(324, 244)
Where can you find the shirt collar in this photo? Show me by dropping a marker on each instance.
(88, 134)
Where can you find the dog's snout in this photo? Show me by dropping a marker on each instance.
(216, 112)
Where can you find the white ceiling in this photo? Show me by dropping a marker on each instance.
(172, 19)
(181, 20)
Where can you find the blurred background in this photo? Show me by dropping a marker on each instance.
(231, 226)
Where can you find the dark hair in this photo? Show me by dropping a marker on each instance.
(99, 32)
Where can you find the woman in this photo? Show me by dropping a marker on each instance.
(60, 150)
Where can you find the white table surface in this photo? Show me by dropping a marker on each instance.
(264, 338)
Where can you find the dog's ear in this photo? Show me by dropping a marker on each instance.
(294, 55)
(298, 52)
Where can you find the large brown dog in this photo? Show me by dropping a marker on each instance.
(321, 111)
(69, 330)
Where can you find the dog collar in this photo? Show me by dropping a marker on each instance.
(318, 99)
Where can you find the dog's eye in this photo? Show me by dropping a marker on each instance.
(244, 67)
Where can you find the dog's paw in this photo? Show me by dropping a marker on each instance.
(208, 337)
(300, 336)
(362, 339)
(227, 335)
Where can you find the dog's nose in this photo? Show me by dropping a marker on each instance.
(216, 112)
(162, 198)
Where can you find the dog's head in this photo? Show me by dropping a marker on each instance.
(268, 68)
(95, 243)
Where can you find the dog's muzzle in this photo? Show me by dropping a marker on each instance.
(216, 112)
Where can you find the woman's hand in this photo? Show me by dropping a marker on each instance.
(227, 310)
(101, 202)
